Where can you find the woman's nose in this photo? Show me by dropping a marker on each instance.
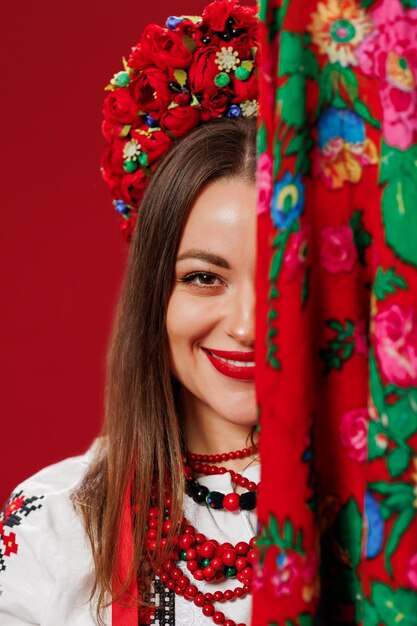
(241, 317)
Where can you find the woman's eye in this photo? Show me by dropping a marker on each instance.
(203, 279)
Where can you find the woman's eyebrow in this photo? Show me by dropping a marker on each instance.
(204, 256)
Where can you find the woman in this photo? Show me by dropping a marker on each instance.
(94, 537)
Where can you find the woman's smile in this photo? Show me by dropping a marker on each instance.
(238, 365)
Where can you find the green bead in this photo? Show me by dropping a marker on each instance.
(205, 562)
(121, 79)
(222, 79)
(230, 572)
(143, 159)
(242, 73)
(130, 166)
(183, 555)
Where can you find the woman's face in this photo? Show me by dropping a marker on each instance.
(210, 317)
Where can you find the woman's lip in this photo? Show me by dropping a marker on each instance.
(233, 355)
(242, 373)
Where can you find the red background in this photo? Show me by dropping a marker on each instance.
(62, 255)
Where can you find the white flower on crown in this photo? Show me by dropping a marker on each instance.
(131, 150)
(249, 108)
(227, 59)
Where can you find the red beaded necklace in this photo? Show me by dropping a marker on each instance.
(205, 559)
(225, 456)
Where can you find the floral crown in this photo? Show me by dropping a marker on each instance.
(177, 77)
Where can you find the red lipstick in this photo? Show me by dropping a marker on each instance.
(232, 370)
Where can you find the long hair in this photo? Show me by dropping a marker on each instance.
(142, 442)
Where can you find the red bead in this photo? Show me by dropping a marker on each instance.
(247, 588)
(242, 548)
(164, 577)
(217, 458)
(231, 501)
(206, 550)
(228, 594)
(209, 572)
(241, 563)
(213, 471)
(218, 617)
(183, 582)
(251, 486)
(252, 542)
(171, 584)
(152, 533)
(192, 566)
(243, 482)
(186, 541)
(229, 622)
(247, 572)
(200, 538)
(179, 591)
(199, 600)
(166, 527)
(208, 597)
(251, 556)
(191, 554)
(217, 563)
(208, 610)
(232, 455)
(153, 511)
(229, 557)
(153, 523)
(238, 592)
(198, 574)
(226, 546)
(191, 591)
(189, 529)
(238, 454)
(225, 456)
(218, 596)
(176, 573)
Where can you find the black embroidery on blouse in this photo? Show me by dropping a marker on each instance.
(163, 600)
(14, 512)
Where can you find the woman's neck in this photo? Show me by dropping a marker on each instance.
(207, 432)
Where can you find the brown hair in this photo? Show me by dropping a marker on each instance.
(142, 438)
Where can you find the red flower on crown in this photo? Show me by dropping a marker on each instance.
(190, 71)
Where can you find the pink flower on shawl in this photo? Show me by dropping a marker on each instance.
(337, 250)
(395, 331)
(390, 53)
(354, 434)
(412, 572)
(264, 183)
(296, 255)
(286, 575)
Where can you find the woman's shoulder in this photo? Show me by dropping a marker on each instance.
(40, 532)
(59, 478)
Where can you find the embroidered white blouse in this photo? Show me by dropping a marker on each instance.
(46, 563)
